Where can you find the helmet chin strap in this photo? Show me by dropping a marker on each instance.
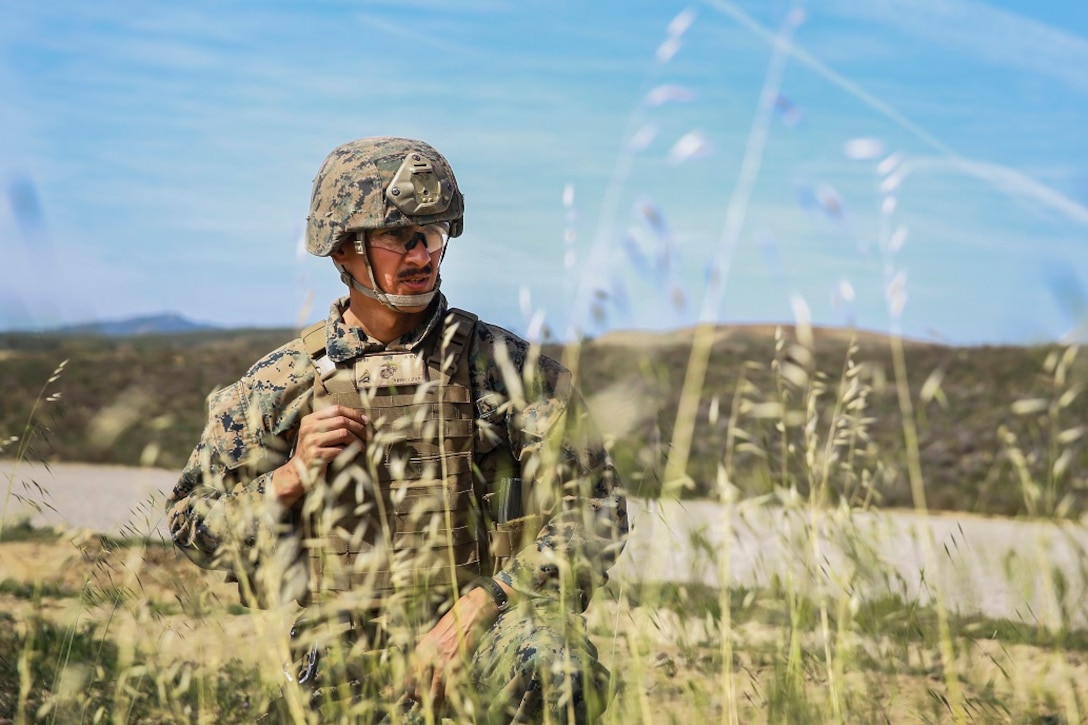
(397, 303)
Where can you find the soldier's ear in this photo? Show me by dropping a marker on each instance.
(344, 246)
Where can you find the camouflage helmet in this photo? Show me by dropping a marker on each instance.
(378, 183)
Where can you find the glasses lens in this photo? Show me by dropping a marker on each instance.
(433, 236)
(436, 236)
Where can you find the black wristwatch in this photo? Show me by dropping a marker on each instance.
(493, 589)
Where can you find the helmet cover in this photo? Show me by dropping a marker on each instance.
(380, 182)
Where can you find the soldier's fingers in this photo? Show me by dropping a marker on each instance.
(339, 437)
(342, 411)
(340, 424)
(438, 689)
(357, 429)
(355, 414)
(324, 447)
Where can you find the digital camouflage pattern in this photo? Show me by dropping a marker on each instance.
(537, 664)
(219, 511)
(220, 515)
(381, 182)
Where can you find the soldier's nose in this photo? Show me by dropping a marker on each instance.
(417, 246)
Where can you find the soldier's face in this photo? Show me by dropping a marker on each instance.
(405, 272)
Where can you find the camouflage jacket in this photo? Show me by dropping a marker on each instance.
(223, 501)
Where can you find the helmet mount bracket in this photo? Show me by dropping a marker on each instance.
(416, 189)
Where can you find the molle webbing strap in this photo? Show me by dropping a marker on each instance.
(407, 401)
(426, 498)
(379, 583)
(426, 467)
(457, 331)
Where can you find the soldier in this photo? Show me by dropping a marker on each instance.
(426, 486)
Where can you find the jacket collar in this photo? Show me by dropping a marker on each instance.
(344, 342)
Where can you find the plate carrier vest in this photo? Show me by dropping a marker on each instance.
(404, 516)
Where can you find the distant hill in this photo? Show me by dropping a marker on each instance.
(162, 324)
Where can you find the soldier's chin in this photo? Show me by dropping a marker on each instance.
(414, 308)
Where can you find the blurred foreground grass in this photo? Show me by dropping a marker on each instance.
(97, 632)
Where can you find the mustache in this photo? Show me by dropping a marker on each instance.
(416, 272)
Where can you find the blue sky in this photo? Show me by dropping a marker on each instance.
(917, 166)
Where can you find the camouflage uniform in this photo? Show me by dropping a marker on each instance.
(536, 657)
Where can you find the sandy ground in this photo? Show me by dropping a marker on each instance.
(1025, 570)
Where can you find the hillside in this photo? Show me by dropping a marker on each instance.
(140, 400)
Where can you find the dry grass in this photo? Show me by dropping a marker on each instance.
(130, 632)
(92, 613)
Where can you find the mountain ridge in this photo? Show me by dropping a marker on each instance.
(163, 323)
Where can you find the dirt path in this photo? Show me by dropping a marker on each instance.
(1032, 571)
(1024, 570)
(106, 499)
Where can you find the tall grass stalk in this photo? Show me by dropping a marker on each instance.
(23, 442)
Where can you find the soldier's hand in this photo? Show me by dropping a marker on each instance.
(429, 674)
(448, 647)
(323, 435)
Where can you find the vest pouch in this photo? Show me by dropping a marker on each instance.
(510, 537)
(512, 529)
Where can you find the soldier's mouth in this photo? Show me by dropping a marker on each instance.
(416, 277)
(417, 272)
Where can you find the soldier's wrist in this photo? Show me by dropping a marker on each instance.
(287, 484)
(493, 591)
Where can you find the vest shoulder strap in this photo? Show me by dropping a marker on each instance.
(313, 339)
(457, 331)
(456, 334)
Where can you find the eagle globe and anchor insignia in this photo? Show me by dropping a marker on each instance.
(392, 370)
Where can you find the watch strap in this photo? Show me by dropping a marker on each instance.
(493, 590)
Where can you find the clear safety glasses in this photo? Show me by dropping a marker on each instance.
(403, 240)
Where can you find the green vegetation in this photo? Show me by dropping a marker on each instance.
(676, 650)
(23, 530)
(130, 401)
(889, 616)
(970, 441)
(141, 401)
(29, 590)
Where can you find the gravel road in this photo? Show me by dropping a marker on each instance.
(1031, 571)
